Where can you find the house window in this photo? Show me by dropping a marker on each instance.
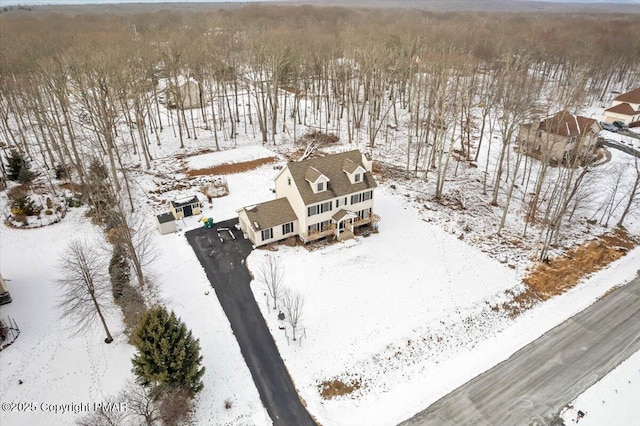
(313, 210)
(357, 177)
(355, 199)
(287, 228)
(314, 228)
(367, 195)
(363, 214)
(320, 186)
(267, 234)
(326, 207)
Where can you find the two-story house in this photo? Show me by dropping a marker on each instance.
(315, 198)
(561, 137)
(624, 107)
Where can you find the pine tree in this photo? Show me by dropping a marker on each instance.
(168, 355)
(18, 167)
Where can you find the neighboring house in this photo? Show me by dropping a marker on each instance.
(561, 137)
(315, 198)
(625, 108)
(184, 208)
(166, 223)
(184, 95)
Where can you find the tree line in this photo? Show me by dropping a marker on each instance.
(85, 88)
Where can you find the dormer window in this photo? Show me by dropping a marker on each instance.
(320, 186)
(358, 177)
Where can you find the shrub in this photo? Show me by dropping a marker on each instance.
(24, 205)
(168, 355)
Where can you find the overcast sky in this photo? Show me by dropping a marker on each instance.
(62, 2)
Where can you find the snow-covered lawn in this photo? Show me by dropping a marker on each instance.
(408, 313)
(55, 366)
(183, 286)
(612, 400)
(231, 156)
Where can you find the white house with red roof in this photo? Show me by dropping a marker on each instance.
(625, 108)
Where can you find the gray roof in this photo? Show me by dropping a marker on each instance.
(332, 167)
(270, 214)
(165, 217)
(188, 202)
(312, 174)
(341, 215)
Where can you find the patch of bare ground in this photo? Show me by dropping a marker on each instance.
(231, 168)
(562, 273)
(336, 387)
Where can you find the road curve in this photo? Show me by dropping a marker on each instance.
(532, 386)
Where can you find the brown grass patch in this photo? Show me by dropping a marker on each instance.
(231, 168)
(563, 273)
(332, 388)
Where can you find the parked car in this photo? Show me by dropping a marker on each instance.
(621, 125)
(608, 126)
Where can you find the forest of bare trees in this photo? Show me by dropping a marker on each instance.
(80, 88)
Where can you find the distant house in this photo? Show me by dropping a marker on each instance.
(560, 137)
(625, 108)
(184, 95)
(315, 198)
(184, 208)
(166, 223)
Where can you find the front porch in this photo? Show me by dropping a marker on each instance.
(343, 227)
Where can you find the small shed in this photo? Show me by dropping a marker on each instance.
(185, 208)
(166, 223)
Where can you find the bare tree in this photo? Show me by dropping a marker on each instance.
(633, 196)
(293, 303)
(85, 285)
(272, 275)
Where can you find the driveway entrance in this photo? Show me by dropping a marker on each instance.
(224, 263)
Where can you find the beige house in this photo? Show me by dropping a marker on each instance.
(625, 108)
(561, 137)
(185, 95)
(315, 198)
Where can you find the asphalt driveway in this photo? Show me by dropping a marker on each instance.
(224, 263)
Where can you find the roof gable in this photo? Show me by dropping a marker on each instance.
(270, 213)
(624, 108)
(330, 166)
(632, 97)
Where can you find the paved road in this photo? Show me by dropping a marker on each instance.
(226, 270)
(532, 386)
(621, 147)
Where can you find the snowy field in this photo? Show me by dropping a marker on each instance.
(611, 401)
(411, 322)
(56, 368)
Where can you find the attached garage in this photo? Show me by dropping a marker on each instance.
(185, 208)
(166, 223)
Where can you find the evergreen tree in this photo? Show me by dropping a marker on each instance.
(18, 167)
(168, 355)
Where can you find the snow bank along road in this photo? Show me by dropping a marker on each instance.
(225, 266)
(534, 384)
